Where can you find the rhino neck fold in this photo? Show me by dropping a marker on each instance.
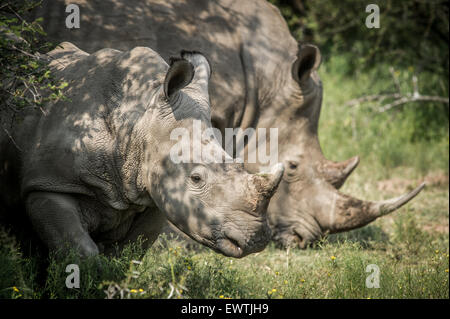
(130, 155)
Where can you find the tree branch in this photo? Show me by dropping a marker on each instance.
(399, 98)
(412, 98)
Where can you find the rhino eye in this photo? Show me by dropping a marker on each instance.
(293, 165)
(196, 178)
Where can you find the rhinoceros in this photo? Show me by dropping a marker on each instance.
(263, 79)
(94, 170)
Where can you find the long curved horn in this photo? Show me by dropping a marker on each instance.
(336, 173)
(385, 207)
(346, 213)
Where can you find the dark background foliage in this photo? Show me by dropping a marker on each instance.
(412, 32)
(413, 37)
(25, 78)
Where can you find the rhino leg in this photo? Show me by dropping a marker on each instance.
(56, 219)
(147, 225)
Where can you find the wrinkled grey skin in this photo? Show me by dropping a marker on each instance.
(95, 170)
(262, 78)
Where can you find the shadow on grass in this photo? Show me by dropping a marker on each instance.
(365, 236)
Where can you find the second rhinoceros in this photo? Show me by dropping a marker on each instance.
(94, 169)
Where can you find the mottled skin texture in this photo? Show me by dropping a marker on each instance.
(262, 78)
(95, 170)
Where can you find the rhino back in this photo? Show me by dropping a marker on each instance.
(224, 30)
(76, 145)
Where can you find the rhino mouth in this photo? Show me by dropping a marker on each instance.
(233, 244)
(225, 245)
(230, 247)
(298, 240)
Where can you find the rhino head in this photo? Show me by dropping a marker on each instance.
(217, 203)
(308, 204)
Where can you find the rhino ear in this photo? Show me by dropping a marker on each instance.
(308, 60)
(179, 75)
(202, 69)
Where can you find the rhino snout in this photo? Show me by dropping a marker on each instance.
(238, 242)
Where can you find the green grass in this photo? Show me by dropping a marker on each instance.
(410, 247)
(413, 264)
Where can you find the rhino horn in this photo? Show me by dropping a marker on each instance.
(350, 213)
(267, 183)
(336, 173)
(388, 206)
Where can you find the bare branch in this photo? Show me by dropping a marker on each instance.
(9, 135)
(415, 86)
(395, 79)
(408, 99)
(398, 98)
(371, 98)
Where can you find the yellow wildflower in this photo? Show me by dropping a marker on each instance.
(333, 258)
(133, 291)
(221, 296)
(15, 289)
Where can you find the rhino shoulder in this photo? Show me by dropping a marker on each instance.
(65, 54)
